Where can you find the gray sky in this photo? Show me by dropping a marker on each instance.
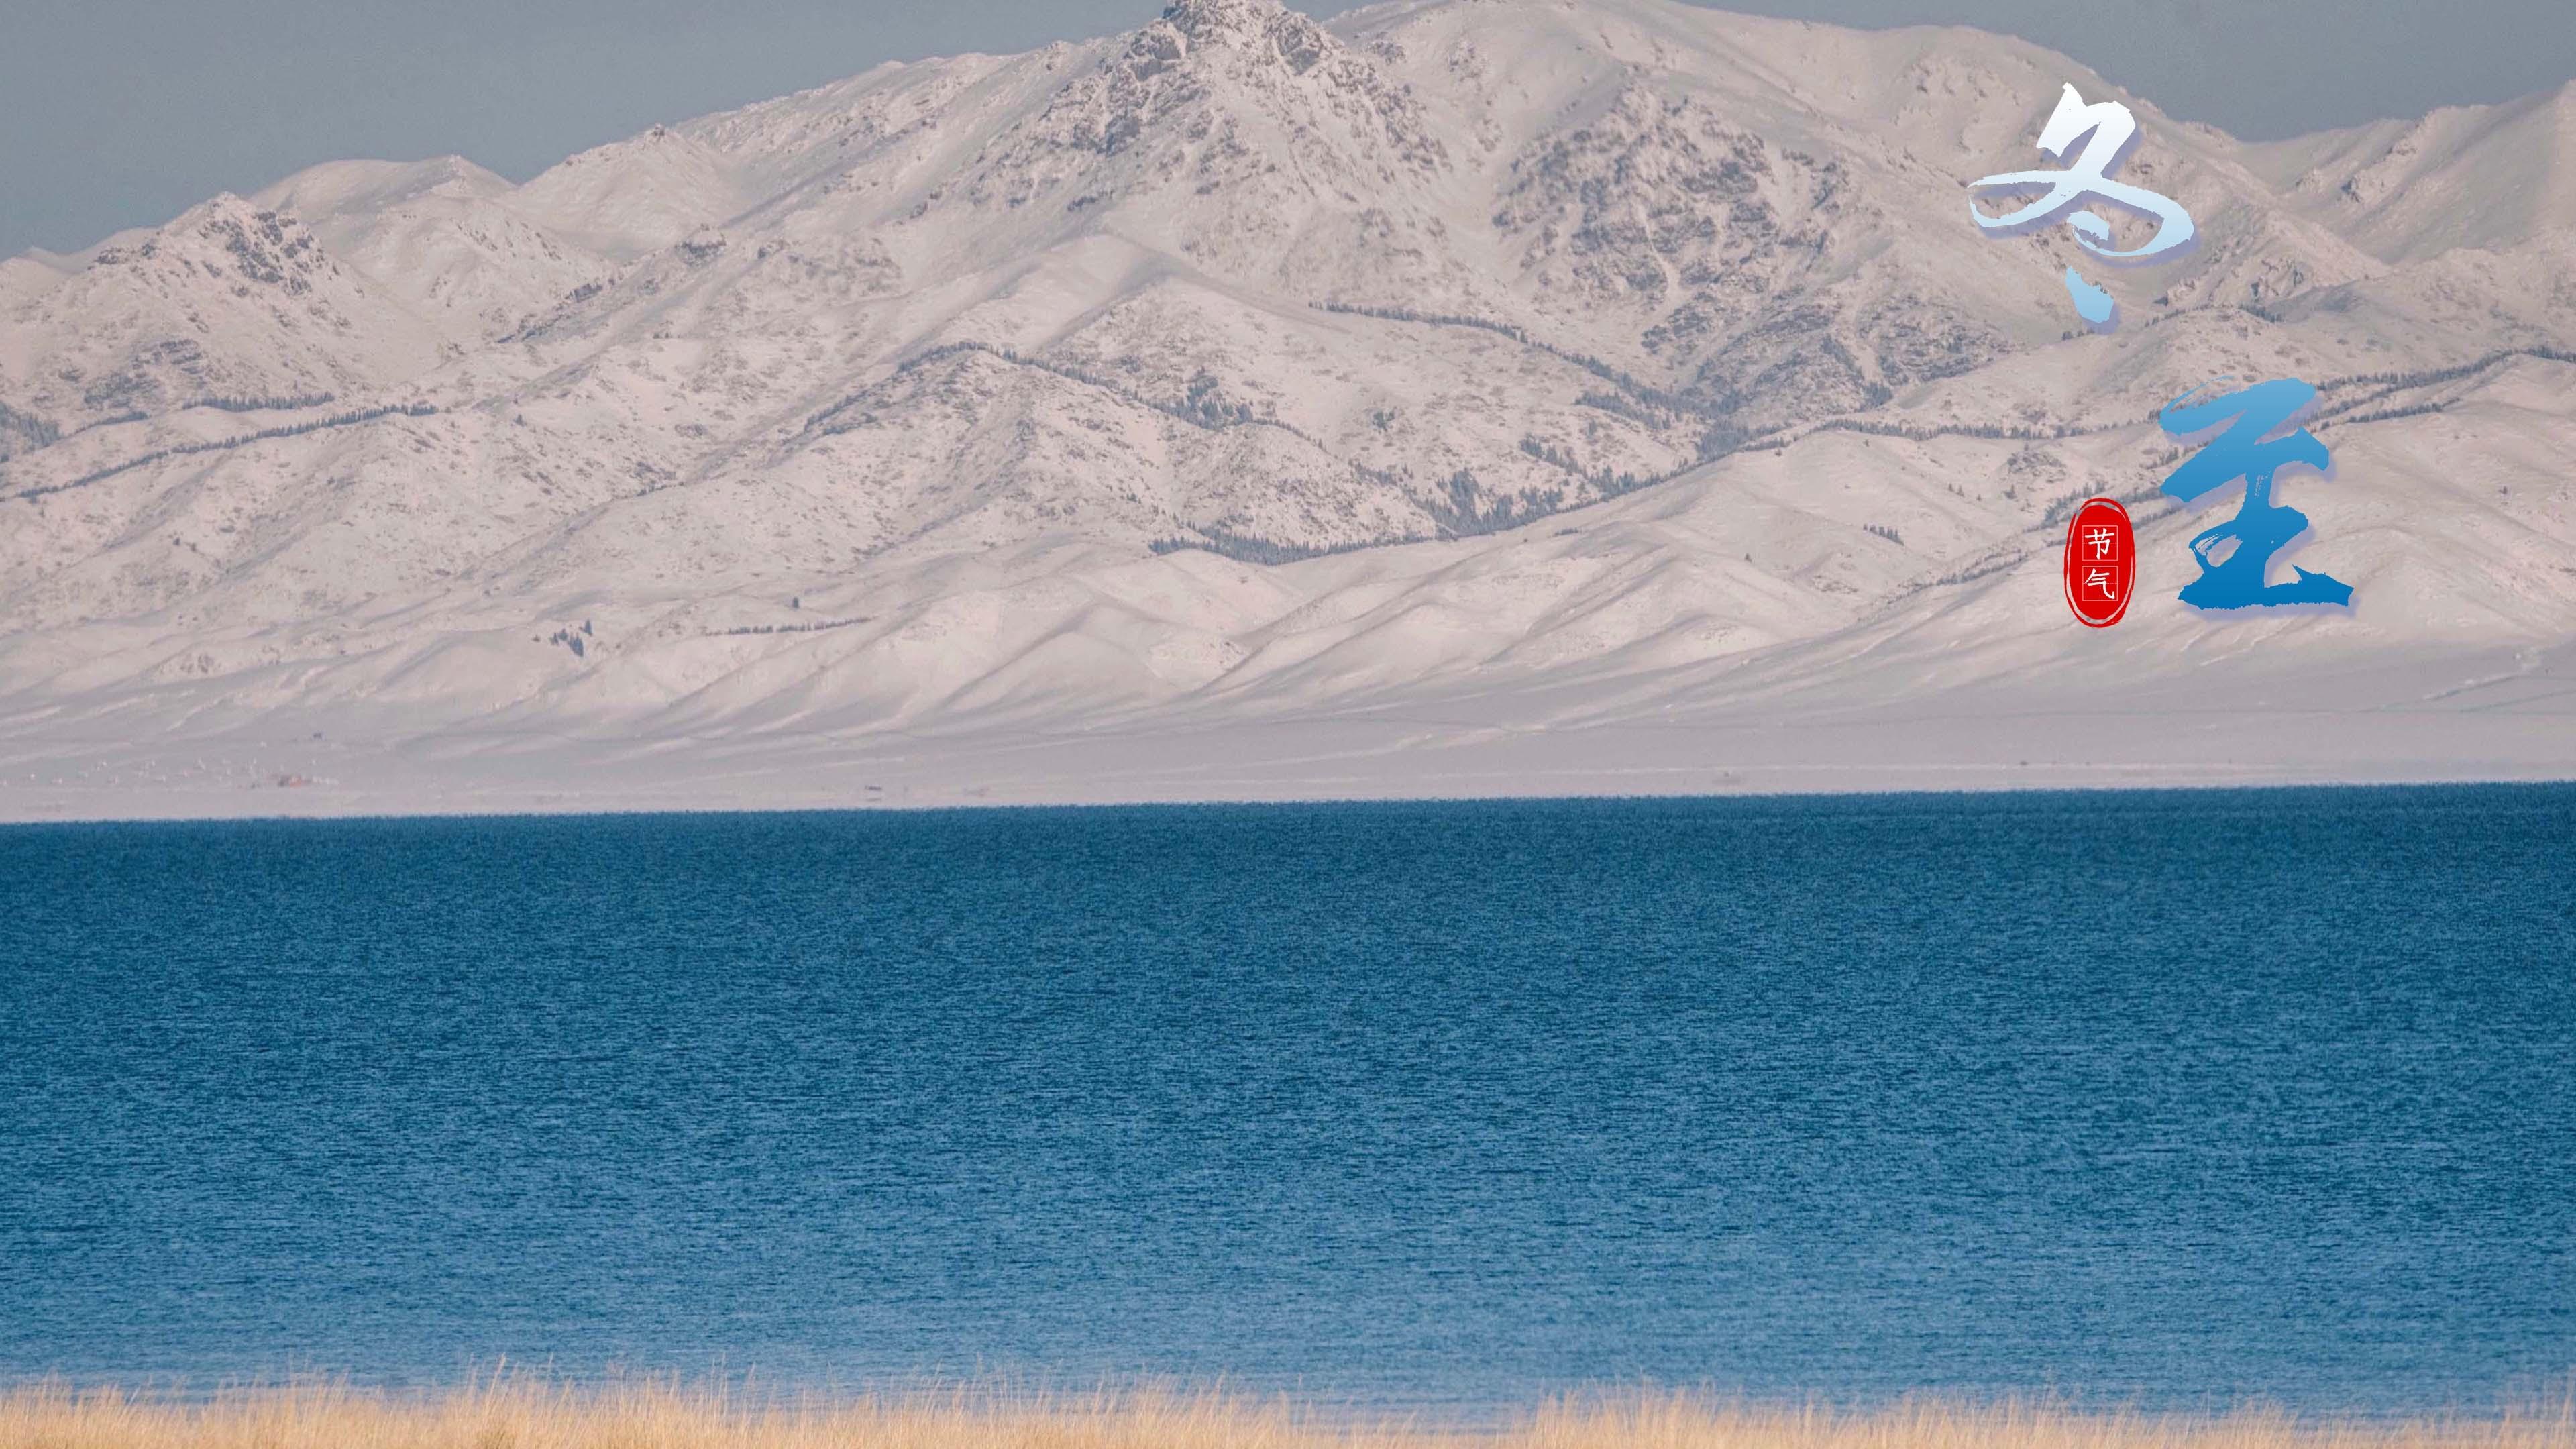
(117, 113)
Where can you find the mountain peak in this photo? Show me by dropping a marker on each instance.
(1210, 21)
(228, 236)
(1255, 25)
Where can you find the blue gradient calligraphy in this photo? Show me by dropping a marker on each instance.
(2235, 555)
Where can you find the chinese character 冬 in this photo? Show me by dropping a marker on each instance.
(2111, 130)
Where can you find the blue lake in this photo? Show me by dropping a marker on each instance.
(2174, 1099)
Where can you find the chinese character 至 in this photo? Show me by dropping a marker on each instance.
(2233, 578)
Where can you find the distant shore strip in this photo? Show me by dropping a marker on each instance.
(517, 1412)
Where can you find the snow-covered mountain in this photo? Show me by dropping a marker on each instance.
(1612, 379)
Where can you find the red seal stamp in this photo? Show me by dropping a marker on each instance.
(2101, 563)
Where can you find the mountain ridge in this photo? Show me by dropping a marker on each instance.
(1252, 364)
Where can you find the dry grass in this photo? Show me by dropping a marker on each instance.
(522, 1413)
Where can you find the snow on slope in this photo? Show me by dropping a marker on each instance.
(226, 305)
(2464, 176)
(446, 237)
(1512, 364)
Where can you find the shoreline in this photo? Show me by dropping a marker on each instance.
(323, 806)
(520, 1412)
(2227, 726)
(322, 775)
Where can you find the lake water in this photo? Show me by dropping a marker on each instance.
(2173, 1099)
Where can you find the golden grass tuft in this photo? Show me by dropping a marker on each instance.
(528, 1413)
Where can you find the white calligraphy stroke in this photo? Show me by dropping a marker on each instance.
(2113, 131)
